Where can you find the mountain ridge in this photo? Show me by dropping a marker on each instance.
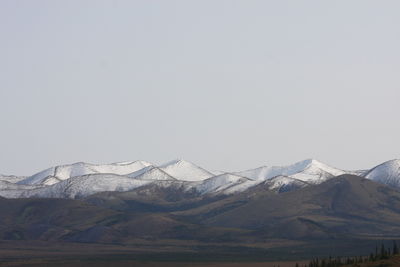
(58, 181)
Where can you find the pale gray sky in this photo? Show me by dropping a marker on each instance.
(225, 84)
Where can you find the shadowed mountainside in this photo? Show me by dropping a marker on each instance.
(344, 207)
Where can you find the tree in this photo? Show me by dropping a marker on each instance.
(395, 248)
(383, 251)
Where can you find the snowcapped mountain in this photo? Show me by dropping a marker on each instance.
(59, 173)
(185, 171)
(221, 183)
(386, 173)
(80, 179)
(297, 175)
(310, 170)
(82, 186)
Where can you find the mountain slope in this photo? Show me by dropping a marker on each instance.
(83, 186)
(13, 190)
(386, 173)
(151, 173)
(223, 183)
(347, 205)
(311, 171)
(285, 184)
(11, 178)
(345, 208)
(55, 219)
(60, 173)
(185, 171)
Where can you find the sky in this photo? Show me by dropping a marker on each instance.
(228, 85)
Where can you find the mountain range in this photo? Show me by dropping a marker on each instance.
(307, 208)
(81, 179)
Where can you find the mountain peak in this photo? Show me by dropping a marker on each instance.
(175, 162)
(307, 163)
(309, 170)
(185, 170)
(64, 172)
(387, 173)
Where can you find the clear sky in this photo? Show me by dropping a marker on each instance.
(225, 84)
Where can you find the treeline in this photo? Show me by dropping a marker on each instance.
(381, 253)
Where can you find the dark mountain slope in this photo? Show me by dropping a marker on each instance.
(152, 198)
(344, 206)
(49, 219)
(78, 221)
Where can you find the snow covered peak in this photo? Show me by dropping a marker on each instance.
(386, 173)
(312, 163)
(63, 172)
(186, 171)
(309, 170)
